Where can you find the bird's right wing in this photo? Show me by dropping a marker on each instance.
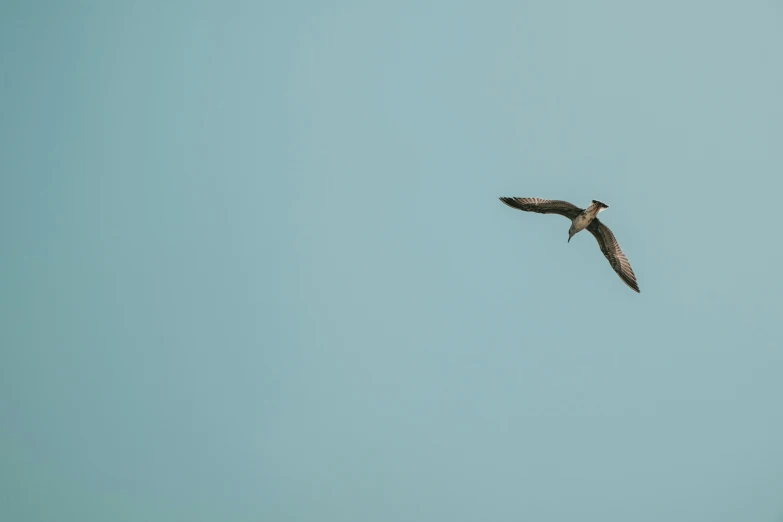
(611, 249)
(544, 206)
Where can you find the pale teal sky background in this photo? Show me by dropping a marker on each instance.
(254, 267)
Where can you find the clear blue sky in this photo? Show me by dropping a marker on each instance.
(254, 265)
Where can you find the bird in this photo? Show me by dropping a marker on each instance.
(583, 218)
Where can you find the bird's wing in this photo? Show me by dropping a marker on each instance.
(544, 206)
(611, 250)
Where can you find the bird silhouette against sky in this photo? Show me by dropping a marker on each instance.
(582, 218)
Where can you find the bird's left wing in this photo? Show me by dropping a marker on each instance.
(544, 206)
(611, 249)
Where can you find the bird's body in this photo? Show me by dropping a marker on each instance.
(583, 219)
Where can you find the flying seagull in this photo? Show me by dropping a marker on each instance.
(582, 218)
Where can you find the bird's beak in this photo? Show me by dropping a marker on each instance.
(569, 239)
